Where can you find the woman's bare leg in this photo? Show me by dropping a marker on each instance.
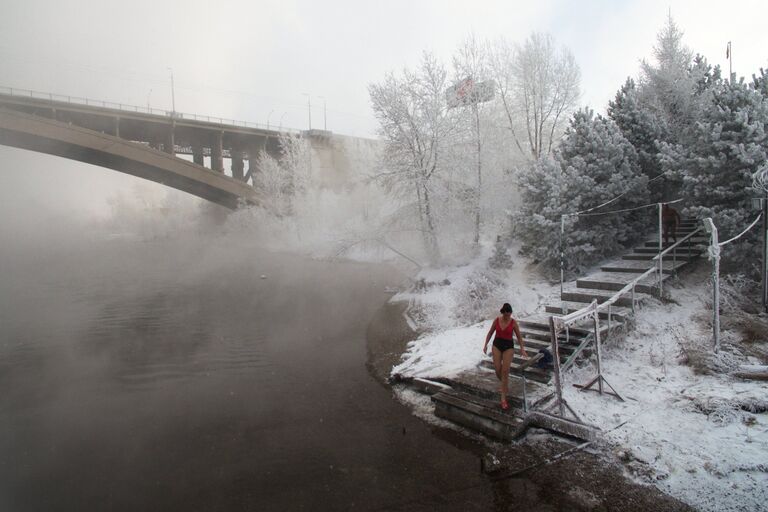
(497, 362)
(506, 362)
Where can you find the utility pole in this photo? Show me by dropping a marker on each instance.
(765, 251)
(729, 55)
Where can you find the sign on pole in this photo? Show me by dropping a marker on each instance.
(469, 92)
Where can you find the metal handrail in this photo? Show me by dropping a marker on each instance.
(124, 107)
(587, 310)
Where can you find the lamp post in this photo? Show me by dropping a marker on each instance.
(325, 112)
(173, 94)
(268, 116)
(281, 122)
(149, 94)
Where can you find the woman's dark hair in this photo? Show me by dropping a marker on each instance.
(506, 308)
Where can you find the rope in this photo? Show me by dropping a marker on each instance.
(650, 205)
(614, 199)
(742, 233)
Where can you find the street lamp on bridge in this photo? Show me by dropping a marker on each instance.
(173, 94)
(325, 112)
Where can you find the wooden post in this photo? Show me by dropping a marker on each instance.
(596, 320)
(556, 361)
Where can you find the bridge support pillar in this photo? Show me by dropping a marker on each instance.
(237, 164)
(217, 152)
(117, 127)
(197, 155)
(170, 140)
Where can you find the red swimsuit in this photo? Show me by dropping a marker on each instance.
(503, 340)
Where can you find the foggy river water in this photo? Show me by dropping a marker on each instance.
(169, 375)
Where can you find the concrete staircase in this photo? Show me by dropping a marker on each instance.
(483, 414)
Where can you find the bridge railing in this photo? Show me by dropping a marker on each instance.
(124, 107)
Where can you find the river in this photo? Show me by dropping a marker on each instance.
(170, 375)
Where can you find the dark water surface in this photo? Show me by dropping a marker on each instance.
(170, 376)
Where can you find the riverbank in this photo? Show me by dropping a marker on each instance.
(586, 481)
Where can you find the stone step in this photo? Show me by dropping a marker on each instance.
(536, 342)
(649, 256)
(586, 295)
(532, 373)
(478, 391)
(690, 242)
(479, 414)
(640, 266)
(678, 252)
(617, 313)
(541, 322)
(541, 339)
(576, 333)
(615, 281)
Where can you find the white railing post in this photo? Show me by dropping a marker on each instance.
(562, 258)
(661, 249)
(714, 253)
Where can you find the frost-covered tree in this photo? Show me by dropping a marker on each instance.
(416, 128)
(283, 180)
(760, 82)
(593, 165)
(728, 145)
(538, 84)
(470, 63)
(642, 128)
(667, 85)
(704, 76)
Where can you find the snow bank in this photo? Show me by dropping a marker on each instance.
(455, 297)
(444, 354)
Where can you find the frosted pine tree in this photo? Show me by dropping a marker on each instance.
(729, 144)
(666, 85)
(594, 164)
(642, 127)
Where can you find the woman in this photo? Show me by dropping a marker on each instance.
(503, 348)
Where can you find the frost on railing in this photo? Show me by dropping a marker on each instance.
(123, 107)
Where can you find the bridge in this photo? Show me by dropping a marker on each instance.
(148, 143)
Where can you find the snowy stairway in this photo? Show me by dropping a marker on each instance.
(478, 409)
(612, 277)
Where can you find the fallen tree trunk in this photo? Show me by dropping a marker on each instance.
(752, 372)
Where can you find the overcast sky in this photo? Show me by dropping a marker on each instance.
(253, 60)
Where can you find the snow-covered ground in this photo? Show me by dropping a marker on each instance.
(464, 295)
(684, 433)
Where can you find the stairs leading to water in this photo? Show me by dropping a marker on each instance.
(482, 413)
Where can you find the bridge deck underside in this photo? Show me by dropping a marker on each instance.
(57, 138)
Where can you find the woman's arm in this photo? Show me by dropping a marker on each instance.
(520, 339)
(488, 336)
